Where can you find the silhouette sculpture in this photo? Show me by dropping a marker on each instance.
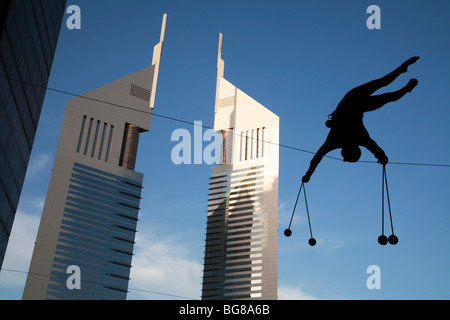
(347, 130)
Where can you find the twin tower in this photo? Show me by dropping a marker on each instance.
(90, 215)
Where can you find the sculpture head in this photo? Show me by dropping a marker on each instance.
(351, 153)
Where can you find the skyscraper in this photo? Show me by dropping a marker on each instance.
(241, 235)
(29, 31)
(91, 210)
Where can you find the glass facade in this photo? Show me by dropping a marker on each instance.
(29, 31)
(97, 234)
(234, 235)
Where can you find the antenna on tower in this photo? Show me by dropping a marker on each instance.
(157, 53)
(220, 62)
(220, 70)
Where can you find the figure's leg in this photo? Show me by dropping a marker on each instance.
(374, 85)
(377, 101)
(407, 63)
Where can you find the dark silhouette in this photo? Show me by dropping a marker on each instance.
(346, 125)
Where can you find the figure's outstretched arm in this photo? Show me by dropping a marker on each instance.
(323, 150)
(376, 151)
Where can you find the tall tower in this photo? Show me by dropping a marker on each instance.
(241, 235)
(91, 209)
(29, 32)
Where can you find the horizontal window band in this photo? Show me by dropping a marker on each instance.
(132, 184)
(214, 193)
(128, 205)
(98, 174)
(237, 171)
(217, 177)
(126, 217)
(124, 252)
(216, 210)
(124, 240)
(216, 182)
(217, 199)
(118, 276)
(125, 228)
(120, 264)
(116, 289)
(215, 188)
(130, 195)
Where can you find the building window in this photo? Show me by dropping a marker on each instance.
(257, 143)
(80, 139)
(246, 145)
(88, 136)
(241, 146)
(263, 142)
(102, 141)
(108, 147)
(224, 146)
(95, 138)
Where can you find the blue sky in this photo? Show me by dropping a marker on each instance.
(297, 58)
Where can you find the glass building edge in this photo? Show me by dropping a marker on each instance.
(21, 104)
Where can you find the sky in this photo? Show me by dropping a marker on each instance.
(298, 59)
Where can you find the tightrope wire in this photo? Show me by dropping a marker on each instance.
(208, 127)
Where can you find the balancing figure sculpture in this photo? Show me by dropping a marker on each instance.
(346, 125)
(347, 132)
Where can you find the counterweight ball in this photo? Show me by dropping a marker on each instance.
(393, 239)
(287, 232)
(312, 242)
(383, 240)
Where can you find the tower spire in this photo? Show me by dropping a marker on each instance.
(220, 70)
(157, 52)
(220, 62)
